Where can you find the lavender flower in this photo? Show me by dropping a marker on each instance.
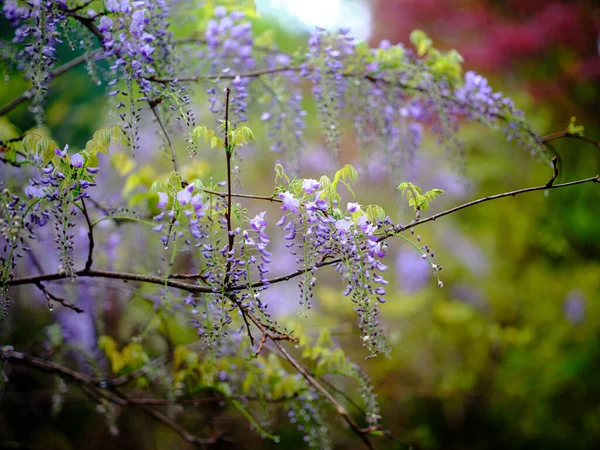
(77, 161)
(290, 203)
(163, 199)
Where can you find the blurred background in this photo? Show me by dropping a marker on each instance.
(507, 354)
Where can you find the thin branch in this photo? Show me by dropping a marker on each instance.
(233, 194)
(400, 228)
(595, 179)
(93, 388)
(53, 298)
(90, 261)
(225, 76)
(153, 105)
(554, 172)
(124, 276)
(188, 437)
(88, 22)
(230, 236)
(276, 339)
(11, 140)
(195, 288)
(28, 94)
(567, 134)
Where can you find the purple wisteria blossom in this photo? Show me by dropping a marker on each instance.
(77, 161)
(163, 199)
(309, 186)
(184, 196)
(290, 203)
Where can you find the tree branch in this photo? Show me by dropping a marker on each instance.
(96, 389)
(195, 288)
(28, 94)
(53, 298)
(315, 383)
(595, 179)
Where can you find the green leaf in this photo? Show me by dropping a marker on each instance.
(280, 174)
(102, 139)
(573, 129)
(421, 42)
(34, 144)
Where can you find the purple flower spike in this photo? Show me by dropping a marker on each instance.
(93, 169)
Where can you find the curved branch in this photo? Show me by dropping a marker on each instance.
(124, 276)
(28, 94)
(595, 179)
(96, 389)
(195, 288)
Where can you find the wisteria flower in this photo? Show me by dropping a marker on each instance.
(309, 185)
(184, 196)
(342, 226)
(77, 160)
(196, 203)
(259, 223)
(353, 207)
(290, 203)
(34, 192)
(61, 153)
(163, 199)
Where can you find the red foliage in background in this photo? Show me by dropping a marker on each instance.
(560, 39)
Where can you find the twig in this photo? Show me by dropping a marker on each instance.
(595, 179)
(554, 172)
(230, 235)
(400, 228)
(233, 194)
(261, 344)
(93, 388)
(124, 276)
(314, 383)
(8, 141)
(90, 261)
(28, 94)
(188, 437)
(153, 105)
(225, 76)
(195, 288)
(53, 298)
(566, 134)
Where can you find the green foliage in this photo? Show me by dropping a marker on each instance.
(103, 138)
(237, 137)
(415, 196)
(131, 357)
(448, 64)
(573, 129)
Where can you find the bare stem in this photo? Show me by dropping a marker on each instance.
(53, 298)
(28, 94)
(90, 260)
(153, 106)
